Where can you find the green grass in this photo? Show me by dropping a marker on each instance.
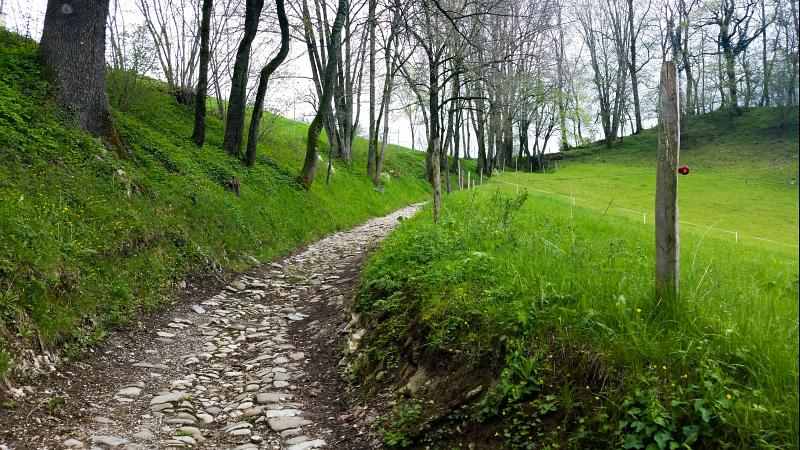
(558, 300)
(84, 249)
(744, 178)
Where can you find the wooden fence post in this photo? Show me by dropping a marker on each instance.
(669, 141)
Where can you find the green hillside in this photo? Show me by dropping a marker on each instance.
(744, 177)
(548, 305)
(88, 240)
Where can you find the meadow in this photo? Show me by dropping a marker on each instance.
(556, 299)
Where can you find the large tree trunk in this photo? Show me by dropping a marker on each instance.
(199, 133)
(266, 72)
(309, 169)
(237, 101)
(73, 49)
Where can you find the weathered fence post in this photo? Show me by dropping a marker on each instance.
(669, 141)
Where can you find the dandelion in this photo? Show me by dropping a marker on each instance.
(664, 367)
(596, 397)
(728, 396)
(638, 310)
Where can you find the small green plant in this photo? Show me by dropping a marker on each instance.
(55, 403)
(404, 417)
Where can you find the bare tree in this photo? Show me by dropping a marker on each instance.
(266, 72)
(328, 77)
(734, 37)
(173, 25)
(234, 125)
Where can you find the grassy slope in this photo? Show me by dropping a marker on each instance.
(744, 176)
(557, 301)
(79, 256)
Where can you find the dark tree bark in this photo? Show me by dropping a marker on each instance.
(199, 133)
(309, 169)
(73, 49)
(266, 72)
(237, 102)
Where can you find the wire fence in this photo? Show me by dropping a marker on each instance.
(643, 214)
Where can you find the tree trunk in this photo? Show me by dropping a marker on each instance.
(765, 67)
(508, 137)
(413, 138)
(72, 49)
(730, 74)
(308, 171)
(562, 115)
(457, 138)
(637, 109)
(495, 126)
(237, 101)
(386, 99)
(480, 126)
(373, 126)
(522, 132)
(434, 139)
(266, 72)
(199, 133)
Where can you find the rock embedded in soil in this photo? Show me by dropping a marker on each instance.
(111, 441)
(285, 423)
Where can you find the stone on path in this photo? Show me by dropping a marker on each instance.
(111, 441)
(284, 423)
(316, 443)
(172, 397)
(271, 397)
(73, 443)
(130, 391)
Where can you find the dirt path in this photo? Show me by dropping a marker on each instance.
(254, 366)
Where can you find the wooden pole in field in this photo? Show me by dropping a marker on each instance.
(667, 238)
